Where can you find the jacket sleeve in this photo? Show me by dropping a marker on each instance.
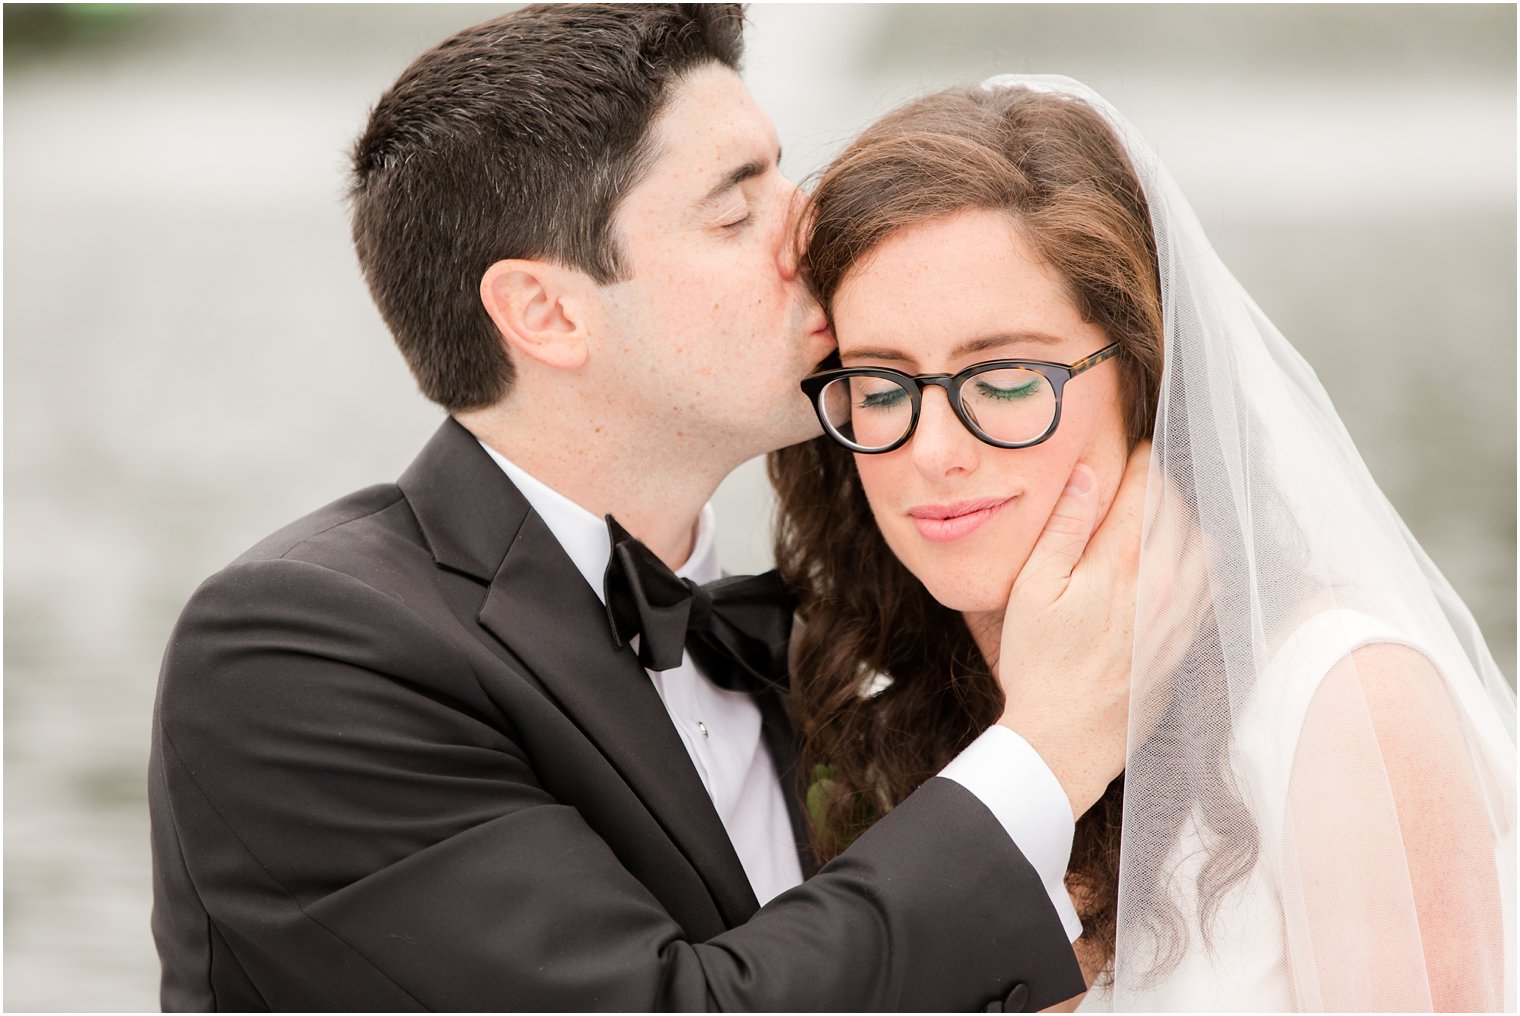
(341, 821)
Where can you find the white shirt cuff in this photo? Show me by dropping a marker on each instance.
(1010, 778)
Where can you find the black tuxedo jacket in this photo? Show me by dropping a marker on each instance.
(398, 764)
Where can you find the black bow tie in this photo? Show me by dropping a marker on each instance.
(736, 629)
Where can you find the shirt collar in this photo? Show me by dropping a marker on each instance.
(584, 536)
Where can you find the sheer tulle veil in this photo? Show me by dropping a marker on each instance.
(1320, 788)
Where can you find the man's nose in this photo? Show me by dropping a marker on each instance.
(941, 445)
(789, 245)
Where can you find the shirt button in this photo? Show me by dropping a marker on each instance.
(702, 727)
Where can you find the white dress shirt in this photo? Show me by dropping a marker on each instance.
(721, 732)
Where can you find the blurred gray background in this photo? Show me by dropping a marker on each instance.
(191, 358)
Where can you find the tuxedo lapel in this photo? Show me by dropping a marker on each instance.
(542, 609)
(539, 606)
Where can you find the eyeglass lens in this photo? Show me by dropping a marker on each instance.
(1012, 404)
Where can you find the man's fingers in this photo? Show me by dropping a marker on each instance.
(1061, 543)
(1117, 541)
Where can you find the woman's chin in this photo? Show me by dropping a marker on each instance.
(965, 597)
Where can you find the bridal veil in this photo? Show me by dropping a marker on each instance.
(1320, 788)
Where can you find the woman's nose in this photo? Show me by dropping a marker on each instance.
(941, 445)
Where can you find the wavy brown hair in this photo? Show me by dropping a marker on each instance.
(1057, 169)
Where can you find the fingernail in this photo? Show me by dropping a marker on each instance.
(1081, 481)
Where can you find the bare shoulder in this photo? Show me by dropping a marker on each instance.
(1393, 692)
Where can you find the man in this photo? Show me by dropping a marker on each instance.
(406, 756)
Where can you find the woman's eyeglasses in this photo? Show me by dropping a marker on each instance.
(1006, 403)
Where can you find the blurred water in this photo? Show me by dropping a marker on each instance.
(183, 314)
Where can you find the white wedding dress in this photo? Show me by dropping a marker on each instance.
(1245, 966)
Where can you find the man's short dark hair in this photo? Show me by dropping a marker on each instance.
(516, 138)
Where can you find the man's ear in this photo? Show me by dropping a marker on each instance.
(541, 310)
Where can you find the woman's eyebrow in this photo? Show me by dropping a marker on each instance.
(1001, 339)
(875, 355)
(977, 345)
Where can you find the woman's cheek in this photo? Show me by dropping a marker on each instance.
(878, 480)
(1097, 440)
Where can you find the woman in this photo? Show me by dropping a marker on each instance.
(1318, 806)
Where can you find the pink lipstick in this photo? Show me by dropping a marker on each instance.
(944, 523)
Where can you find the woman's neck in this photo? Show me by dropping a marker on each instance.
(987, 632)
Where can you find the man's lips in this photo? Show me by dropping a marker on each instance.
(944, 523)
(823, 344)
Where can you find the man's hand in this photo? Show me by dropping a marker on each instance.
(1069, 632)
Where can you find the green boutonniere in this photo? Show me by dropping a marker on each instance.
(820, 794)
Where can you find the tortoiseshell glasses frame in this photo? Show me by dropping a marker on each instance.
(913, 385)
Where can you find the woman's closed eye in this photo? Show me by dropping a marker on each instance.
(883, 398)
(1001, 390)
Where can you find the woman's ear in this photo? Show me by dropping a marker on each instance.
(541, 310)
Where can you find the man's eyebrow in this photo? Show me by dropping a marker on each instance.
(977, 345)
(748, 171)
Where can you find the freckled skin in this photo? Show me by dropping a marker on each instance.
(706, 322)
(692, 360)
(925, 291)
